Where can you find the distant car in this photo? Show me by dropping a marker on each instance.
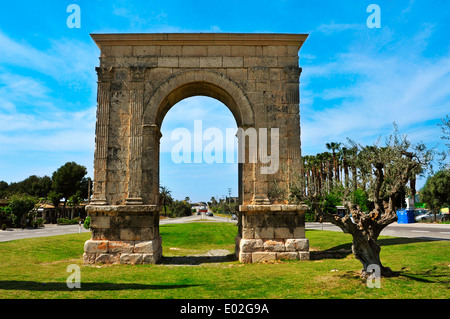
(199, 213)
(429, 217)
(234, 217)
(209, 214)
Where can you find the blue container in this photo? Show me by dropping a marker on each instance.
(405, 216)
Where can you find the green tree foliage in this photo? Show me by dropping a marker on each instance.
(436, 191)
(445, 126)
(20, 207)
(165, 197)
(3, 189)
(180, 208)
(373, 179)
(33, 186)
(67, 179)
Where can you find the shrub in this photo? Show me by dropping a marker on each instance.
(39, 222)
(181, 208)
(87, 222)
(20, 207)
(66, 221)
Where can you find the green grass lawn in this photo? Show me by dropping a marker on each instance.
(36, 268)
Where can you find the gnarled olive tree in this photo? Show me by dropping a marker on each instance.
(383, 171)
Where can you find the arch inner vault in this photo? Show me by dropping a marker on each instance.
(140, 77)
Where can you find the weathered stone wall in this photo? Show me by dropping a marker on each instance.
(271, 232)
(265, 75)
(140, 77)
(123, 234)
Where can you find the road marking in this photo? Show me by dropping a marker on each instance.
(420, 231)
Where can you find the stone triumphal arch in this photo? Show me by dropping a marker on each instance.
(140, 77)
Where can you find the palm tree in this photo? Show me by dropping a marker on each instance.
(351, 158)
(345, 152)
(334, 146)
(165, 197)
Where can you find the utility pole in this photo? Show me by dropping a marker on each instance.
(229, 195)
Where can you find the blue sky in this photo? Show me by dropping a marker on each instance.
(355, 83)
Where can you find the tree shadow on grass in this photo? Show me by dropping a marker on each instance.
(85, 286)
(195, 260)
(342, 251)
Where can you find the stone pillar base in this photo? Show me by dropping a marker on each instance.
(271, 232)
(123, 235)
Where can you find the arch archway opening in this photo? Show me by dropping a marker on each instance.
(199, 172)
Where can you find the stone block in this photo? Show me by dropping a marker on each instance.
(142, 221)
(287, 61)
(299, 232)
(239, 75)
(250, 245)
(146, 50)
(105, 233)
(147, 246)
(107, 258)
(287, 256)
(121, 50)
(248, 50)
(299, 244)
(189, 62)
(283, 232)
(303, 255)
(96, 246)
(195, 50)
(219, 50)
(211, 62)
(168, 62)
(248, 232)
(233, 62)
(130, 234)
(259, 62)
(131, 259)
(263, 256)
(120, 246)
(274, 245)
(264, 232)
(149, 233)
(171, 50)
(150, 258)
(275, 50)
(245, 258)
(100, 222)
(89, 258)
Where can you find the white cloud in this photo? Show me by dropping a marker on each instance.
(375, 88)
(41, 125)
(65, 60)
(332, 27)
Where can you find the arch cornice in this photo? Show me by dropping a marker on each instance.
(194, 82)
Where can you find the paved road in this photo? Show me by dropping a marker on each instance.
(52, 229)
(416, 230)
(48, 230)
